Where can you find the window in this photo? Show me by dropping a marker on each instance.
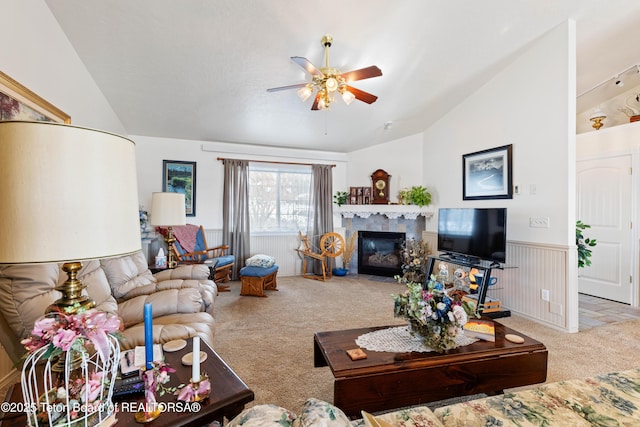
(279, 197)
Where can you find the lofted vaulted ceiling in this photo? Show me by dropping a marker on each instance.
(199, 69)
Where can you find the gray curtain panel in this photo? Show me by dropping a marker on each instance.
(322, 206)
(235, 212)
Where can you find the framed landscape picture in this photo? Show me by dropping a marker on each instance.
(487, 174)
(19, 103)
(180, 177)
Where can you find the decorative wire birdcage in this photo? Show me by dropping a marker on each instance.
(78, 394)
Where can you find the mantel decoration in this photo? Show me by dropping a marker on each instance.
(416, 195)
(432, 314)
(80, 393)
(341, 198)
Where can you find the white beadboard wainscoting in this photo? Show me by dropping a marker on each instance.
(535, 267)
(280, 246)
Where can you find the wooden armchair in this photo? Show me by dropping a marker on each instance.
(217, 258)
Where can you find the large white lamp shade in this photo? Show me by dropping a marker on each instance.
(168, 209)
(67, 193)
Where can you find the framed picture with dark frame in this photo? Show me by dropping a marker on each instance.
(180, 177)
(487, 174)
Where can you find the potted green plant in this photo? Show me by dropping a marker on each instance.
(340, 198)
(419, 195)
(584, 253)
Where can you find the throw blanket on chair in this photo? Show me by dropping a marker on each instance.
(186, 236)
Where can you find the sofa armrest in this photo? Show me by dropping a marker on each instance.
(184, 272)
(164, 303)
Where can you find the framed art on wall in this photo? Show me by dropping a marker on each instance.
(180, 177)
(487, 174)
(19, 103)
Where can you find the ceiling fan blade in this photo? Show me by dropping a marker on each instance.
(362, 73)
(308, 66)
(276, 89)
(315, 102)
(362, 95)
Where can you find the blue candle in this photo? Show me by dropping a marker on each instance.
(148, 336)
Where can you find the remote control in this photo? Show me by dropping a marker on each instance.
(127, 386)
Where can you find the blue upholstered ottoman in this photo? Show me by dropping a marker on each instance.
(255, 280)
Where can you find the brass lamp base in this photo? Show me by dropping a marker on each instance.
(170, 240)
(72, 299)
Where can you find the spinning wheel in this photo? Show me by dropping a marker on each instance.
(331, 245)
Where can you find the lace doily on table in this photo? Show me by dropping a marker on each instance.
(400, 340)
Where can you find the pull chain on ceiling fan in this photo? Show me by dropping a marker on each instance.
(328, 81)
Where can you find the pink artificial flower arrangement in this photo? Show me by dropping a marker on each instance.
(188, 393)
(61, 332)
(155, 380)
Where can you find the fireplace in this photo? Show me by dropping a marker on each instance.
(379, 253)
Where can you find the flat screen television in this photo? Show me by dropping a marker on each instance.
(473, 233)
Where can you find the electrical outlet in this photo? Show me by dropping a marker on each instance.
(545, 294)
(539, 222)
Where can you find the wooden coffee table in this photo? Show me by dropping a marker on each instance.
(228, 395)
(392, 380)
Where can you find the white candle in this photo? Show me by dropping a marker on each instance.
(195, 368)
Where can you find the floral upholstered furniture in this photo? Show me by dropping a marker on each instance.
(605, 400)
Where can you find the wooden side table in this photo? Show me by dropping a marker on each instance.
(228, 395)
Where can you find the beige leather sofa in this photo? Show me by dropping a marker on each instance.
(182, 299)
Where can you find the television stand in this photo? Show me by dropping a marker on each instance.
(484, 266)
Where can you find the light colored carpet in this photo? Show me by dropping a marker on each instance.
(269, 341)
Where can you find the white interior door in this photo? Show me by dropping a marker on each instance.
(604, 203)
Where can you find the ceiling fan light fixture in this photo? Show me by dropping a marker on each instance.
(331, 84)
(304, 93)
(348, 97)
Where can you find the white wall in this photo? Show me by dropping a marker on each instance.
(402, 159)
(531, 105)
(40, 57)
(525, 105)
(151, 151)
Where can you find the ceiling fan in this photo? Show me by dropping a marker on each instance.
(326, 81)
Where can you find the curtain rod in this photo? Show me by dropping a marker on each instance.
(277, 163)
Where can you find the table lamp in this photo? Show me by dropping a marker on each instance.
(68, 194)
(65, 190)
(168, 210)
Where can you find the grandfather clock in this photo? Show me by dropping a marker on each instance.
(380, 187)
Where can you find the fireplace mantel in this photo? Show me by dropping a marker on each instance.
(390, 211)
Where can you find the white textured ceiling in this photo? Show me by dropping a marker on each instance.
(199, 69)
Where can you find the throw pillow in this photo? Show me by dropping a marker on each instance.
(317, 413)
(260, 260)
(263, 415)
